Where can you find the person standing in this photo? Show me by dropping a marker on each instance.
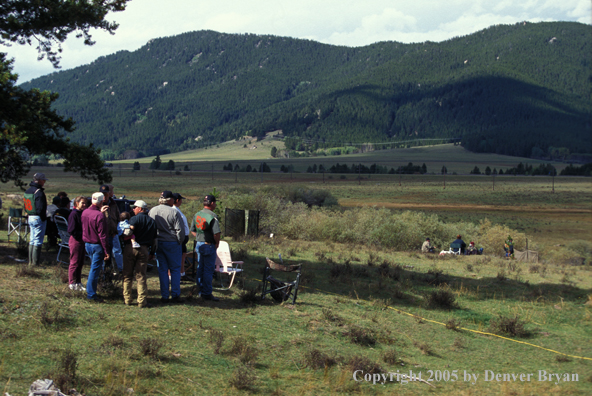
(76, 244)
(177, 205)
(136, 259)
(112, 215)
(206, 229)
(36, 207)
(95, 234)
(171, 234)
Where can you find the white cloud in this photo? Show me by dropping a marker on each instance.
(339, 22)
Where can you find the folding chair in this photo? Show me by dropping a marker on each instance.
(225, 267)
(281, 290)
(17, 224)
(64, 242)
(455, 248)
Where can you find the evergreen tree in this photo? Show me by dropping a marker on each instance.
(155, 164)
(273, 152)
(137, 166)
(488, 171)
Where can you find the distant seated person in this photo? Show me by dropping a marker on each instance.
(458, 245)
(509, 247)
(427, 247)
(472, 249)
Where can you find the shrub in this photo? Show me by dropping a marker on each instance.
(150, 347)
(440, 298)
(242, 348)
(364, 364)
(316, 359)
(360, 336)
(512, 327)
(64, 374)
(242, 378)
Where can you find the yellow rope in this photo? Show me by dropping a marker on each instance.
(463, 328)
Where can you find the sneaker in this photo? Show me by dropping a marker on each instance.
(135, 245)
(73, 286)
(81, 288)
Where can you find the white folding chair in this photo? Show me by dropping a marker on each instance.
(17, 224)
(225, 267)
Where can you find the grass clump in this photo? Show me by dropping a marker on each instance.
(390, 357)
(507, 326)
(316, 359)
(361, 336)
(150, 347)
(249, 297)
(453, 324)
(64, 374)
(363, 363)
(24, 270)
(244, 350)
(217, 340)
(242, 378)
(441, 298)
(424, 347)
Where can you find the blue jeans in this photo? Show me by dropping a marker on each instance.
(206, 264)
(168, 257)
(97, 255)
(117, 252)
(37, 227)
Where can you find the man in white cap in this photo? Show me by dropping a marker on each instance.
(36, 207)
(136, 259)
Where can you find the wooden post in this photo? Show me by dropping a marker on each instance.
(212, 171)
(493, 182)
(359, 174)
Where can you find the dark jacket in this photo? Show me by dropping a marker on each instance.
(40, 199)
(75, 224)
(145, 231)
(462, 244)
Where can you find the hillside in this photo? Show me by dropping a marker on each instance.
(512, 89)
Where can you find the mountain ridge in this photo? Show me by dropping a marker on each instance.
(517, 89)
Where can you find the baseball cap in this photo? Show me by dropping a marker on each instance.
(178, 196)
(140, 204)
(208, 199)
(167, 194)
(104, 189)
(39, 176)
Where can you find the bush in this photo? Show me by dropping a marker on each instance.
(440, 298)
(512, 327)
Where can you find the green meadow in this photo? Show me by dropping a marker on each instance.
(370, 303)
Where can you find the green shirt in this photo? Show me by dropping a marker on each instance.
(205, 224)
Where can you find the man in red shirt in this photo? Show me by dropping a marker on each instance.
(95, 232)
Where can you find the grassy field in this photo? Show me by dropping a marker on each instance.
(361, 308)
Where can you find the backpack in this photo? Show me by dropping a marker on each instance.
(29, 201)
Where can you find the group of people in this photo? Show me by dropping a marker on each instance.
(98, 229)
(458, 243)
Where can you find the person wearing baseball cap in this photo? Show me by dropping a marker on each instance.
(171, 234)
(135, 260)
(35, 203)
(206, 229)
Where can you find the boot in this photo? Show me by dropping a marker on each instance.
(36, 255)
(31, 256)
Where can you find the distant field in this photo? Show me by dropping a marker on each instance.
(455, 158)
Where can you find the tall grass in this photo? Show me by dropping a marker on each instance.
(367, 226)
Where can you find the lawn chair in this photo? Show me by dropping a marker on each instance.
(281, 290)
(17, 224)
(225, 267)
(455, 248)
(64, 242)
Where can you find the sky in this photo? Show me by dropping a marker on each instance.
(338, 22)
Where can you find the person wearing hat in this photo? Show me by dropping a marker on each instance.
(427, 247)
(36, 207)
(177, 205)
(135, 260)
(171, 233)
(206, 229)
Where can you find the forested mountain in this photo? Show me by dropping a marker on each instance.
(511, 89)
